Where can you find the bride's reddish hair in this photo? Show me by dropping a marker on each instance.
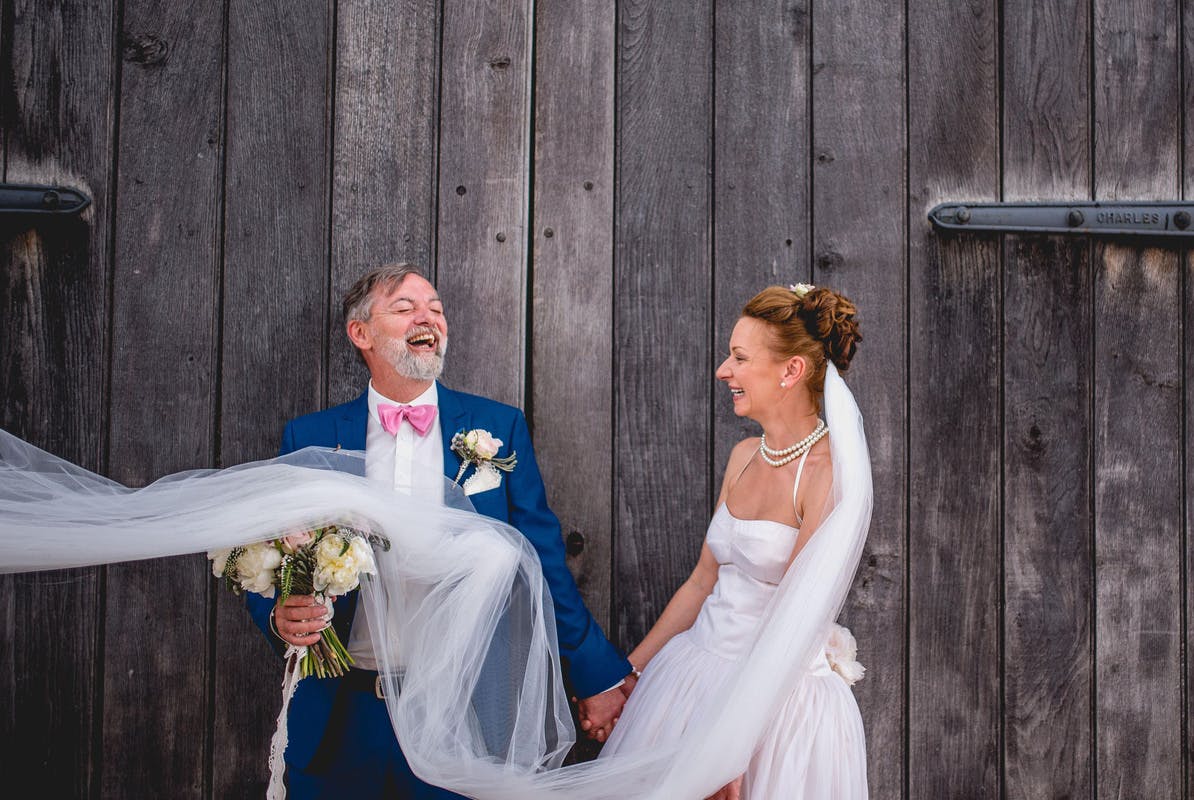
(820, 325)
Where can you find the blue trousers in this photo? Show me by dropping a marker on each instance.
(365, 763)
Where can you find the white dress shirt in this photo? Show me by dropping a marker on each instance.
(408, 463)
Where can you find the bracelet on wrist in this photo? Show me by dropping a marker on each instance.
(273, 626)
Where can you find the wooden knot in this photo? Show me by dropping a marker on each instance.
(501, 62)
(829, 260)
(145, 49)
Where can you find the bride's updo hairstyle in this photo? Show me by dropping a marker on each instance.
(818, 325)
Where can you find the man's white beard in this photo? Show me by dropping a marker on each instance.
(414, 366)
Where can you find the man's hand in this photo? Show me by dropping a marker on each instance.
(299, 620)
(599, 713)
(730, 791)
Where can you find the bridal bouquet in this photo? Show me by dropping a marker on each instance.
(325, 562)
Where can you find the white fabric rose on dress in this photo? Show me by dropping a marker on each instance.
(256, 567)
(338, 568)
(841, 650)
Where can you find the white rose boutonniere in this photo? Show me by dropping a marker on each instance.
(841, 650)
(479, 448)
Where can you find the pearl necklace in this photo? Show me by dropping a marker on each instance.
(777, 458)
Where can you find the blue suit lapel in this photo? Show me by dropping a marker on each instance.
(352, 423)
(453, 418)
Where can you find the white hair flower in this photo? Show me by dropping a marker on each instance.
(801, 289)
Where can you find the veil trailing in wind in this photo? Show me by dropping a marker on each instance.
(461, 618)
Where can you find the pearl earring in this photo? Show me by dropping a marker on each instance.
(783, 385)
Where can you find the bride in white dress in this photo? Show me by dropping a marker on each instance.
(772, 501)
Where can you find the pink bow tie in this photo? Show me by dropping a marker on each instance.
(419, 417)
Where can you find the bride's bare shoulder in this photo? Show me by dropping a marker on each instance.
(743, 451)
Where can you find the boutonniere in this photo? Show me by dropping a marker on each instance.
(479, 448)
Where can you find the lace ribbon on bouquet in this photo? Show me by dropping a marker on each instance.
(460, 616)
(277, 746)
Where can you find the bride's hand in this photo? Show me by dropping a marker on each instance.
(730, 791)
(599, 713)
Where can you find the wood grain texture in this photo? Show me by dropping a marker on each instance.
(1138, 384)
(859, 204)
(484, 193)
(1048, 554)
(164, 383)
(384, 173)
(954, 457)
(761, 213)
(662, 317)
(56, 111)
(572, 348)
(1187, 257)
(274, 321)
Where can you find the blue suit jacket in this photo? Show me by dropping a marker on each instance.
(591, 662)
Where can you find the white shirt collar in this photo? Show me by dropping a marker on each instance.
(429, 397)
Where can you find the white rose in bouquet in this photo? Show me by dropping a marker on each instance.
(219, 560)
(256, 567)
(339, 564)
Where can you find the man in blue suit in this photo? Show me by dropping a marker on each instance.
(341, 743)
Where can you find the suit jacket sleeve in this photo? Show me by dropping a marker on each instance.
(593, 663)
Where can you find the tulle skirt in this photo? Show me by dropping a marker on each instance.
(814, 749)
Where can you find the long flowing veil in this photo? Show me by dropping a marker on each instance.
(460, 615)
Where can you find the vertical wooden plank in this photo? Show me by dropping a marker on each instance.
(57, 110)
(662, 310)
(164, 383)
(572, 351)
(384, 173)
(859, 206)
(1187, 12)
(1047, 435)
(761, 182)
(484, 181)
(275, 306)
(1137, 411)
(954, 449)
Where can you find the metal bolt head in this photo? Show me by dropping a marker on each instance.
(574, 544)
(962, 215)
(51, 199)
(1182, 219)
(548, 232)
(501, 237)
(1075, 218)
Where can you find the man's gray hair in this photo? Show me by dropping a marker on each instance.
(358, 302)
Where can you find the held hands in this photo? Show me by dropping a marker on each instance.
(599, 713)
(299, 620)
(731, 791)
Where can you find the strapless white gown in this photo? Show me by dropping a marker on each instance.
(814, 749)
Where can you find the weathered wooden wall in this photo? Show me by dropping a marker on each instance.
(597, 187)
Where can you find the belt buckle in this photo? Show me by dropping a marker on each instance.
(379, 689)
